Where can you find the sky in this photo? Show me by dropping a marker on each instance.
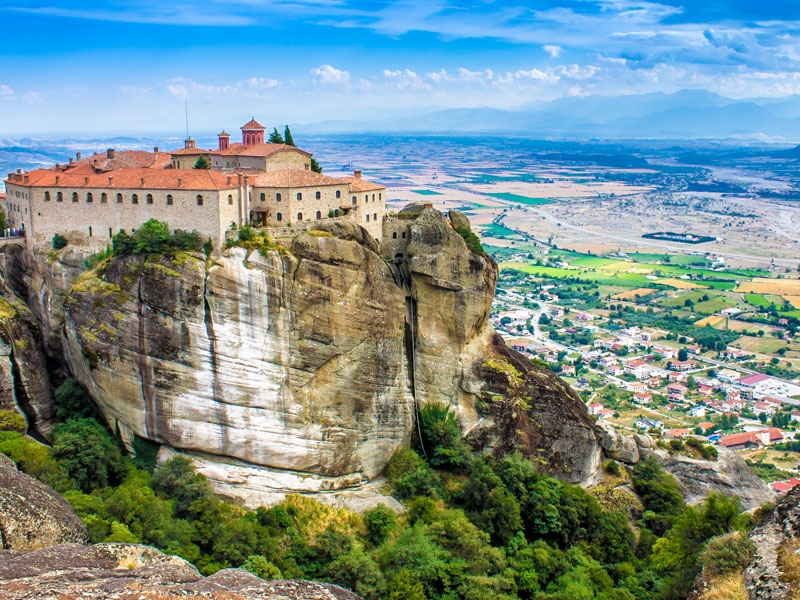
(123, 67)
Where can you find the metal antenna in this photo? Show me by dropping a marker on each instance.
(187, 118)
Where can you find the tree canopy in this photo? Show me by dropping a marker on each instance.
(275, 137)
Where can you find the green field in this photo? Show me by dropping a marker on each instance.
(757, 300)
(427, 192)
(497, 231)
(521, 199)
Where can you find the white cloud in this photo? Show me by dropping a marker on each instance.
(7, 93)
(547, 75)
(552, 50)
(405, 79)
(326, 74)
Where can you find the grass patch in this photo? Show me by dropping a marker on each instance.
(6, 310)
(427, 192)
(527, 200)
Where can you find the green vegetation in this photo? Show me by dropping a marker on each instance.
(154, 237)
(287, 136)
(202, 163)
(476, 528)
(59, 241)
(472, 240)
(521, 199)
(275, 137)
(427, 192)
(314, 165)
(3, 223)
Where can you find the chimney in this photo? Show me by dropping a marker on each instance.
(56, 179)
(229, 180)
(155, 149)
(180, 181)
(71, 161)
(111, 154)
(25, 179)
(19, 171)
(78, 156)
(357, 173)
(85, 181)
(141, 181)
(58, 167)
(110, 180)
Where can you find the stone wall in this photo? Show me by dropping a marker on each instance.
(94, 223)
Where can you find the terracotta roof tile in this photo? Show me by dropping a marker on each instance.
(258, 149)
(252, 124)
(190, 179)
(361, 185)
(295, 178)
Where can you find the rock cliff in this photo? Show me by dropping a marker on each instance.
(135, 572)
(728, 475)
(300, 369)
(776, 541)
(33, 516)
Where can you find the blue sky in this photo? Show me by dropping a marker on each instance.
(126, 67)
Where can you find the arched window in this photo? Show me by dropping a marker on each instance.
(230, 199)
(353, 201)
(263, 196)
(338, 193)
(47, 196)
(366, 197)
(299, 216)
(374, 216)
(319, 213)
(199, 199)
(103, 198)
(59, 197)
(367, 218)
(169, 200)
(74, 196)
(119, 198)
(379, 195)
(278, 216)
(404, 235)
(373, 197)
(394, 235)
(318, 195)
(135, 199)
(149, 198)
(89, 197)
(299, 196)
(90, 231)
(110, 233)
(278, 197)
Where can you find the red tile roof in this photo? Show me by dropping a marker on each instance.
(752, 379)
(257, 149)
(190, 179)
(294, 178)
(361, 185)
(739, 439)
(252, 124)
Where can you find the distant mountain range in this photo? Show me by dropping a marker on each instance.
(688, 114)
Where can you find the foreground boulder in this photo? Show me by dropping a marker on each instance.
(135, 572)
(729, 475)
(776, 541)
(32, 515)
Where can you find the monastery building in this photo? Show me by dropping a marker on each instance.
(91, 199)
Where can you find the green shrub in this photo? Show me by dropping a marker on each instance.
(91, 261)
(380, 522)
(154, 237)
(59, 241)
(441, 438)
(72, 401)
(410, 476)
(261, 567)
(472, 240)
(88, 454)
(611, 467)
(11, 420)
(727, 553)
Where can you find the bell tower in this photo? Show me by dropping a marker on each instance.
(224, 140)
(253, 133)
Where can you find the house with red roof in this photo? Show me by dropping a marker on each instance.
(752, 439)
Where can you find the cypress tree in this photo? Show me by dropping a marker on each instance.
(287, 136)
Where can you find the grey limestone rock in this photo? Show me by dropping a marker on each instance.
(32, 515)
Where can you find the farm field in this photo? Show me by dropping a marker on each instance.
(765, 345)
(633, 294)
(778, 287)
(527, 200)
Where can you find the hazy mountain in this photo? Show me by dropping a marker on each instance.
(684, 114)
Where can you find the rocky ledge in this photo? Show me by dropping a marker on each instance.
(32, 515)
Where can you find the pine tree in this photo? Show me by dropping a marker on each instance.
(315, 166)
(287, 136)
(275, 137)
(202, 163)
